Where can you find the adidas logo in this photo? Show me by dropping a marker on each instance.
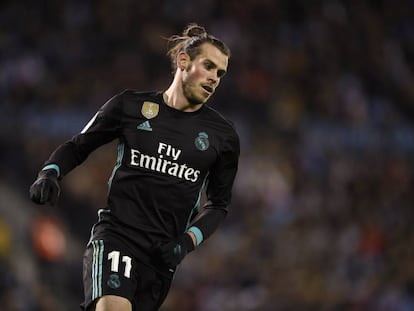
(145, 126)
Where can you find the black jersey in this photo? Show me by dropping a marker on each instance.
(166, 158)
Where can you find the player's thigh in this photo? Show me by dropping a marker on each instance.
(109, 270)
(152, 289)
(111, 302)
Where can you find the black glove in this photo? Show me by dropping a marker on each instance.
(172, 253)
(46, 188)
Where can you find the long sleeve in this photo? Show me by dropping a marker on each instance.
(101, 129)
(221, 181)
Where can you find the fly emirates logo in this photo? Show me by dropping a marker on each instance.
(165, 162)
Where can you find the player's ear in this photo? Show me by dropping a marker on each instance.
(183, 59)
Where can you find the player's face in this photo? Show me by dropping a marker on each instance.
(203, 74)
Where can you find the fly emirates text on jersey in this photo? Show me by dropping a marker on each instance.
(165, 162)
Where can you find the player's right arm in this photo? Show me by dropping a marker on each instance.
(104, 127)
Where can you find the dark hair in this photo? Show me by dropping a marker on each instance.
(190, 41)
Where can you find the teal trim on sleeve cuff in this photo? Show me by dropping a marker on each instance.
(52, 167)
(198, 234)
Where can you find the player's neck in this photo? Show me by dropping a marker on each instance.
(176, 99)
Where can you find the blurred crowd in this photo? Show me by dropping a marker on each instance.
(322, 93)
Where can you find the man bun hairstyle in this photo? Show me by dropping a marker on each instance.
(192, 38)
(194, 30)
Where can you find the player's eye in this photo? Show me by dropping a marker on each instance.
(221, 73)
(208, 65)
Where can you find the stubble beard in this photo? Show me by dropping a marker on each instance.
(192, 98)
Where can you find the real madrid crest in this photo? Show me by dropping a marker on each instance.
(114, 281)
(150, 110)
(201, 142)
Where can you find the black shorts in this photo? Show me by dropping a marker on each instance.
(110, 269)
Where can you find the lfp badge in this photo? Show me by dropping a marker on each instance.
(150, 110)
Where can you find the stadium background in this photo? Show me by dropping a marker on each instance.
(322, 93)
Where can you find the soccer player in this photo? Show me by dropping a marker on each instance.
(172, 147)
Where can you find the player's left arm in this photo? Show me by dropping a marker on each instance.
(219, 192)
(219, 188)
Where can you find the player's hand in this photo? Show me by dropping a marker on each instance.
(173, 252)
(46, 188)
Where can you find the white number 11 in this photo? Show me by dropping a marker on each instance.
(114, 258)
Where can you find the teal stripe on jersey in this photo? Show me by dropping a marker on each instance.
(197, 204)
(52, 167)
(97, 258)
(117, 164)
(100, 211)
(197, 233)
(94, 269)
(100, 267)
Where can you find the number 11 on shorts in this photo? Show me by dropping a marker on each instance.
(114, 257)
